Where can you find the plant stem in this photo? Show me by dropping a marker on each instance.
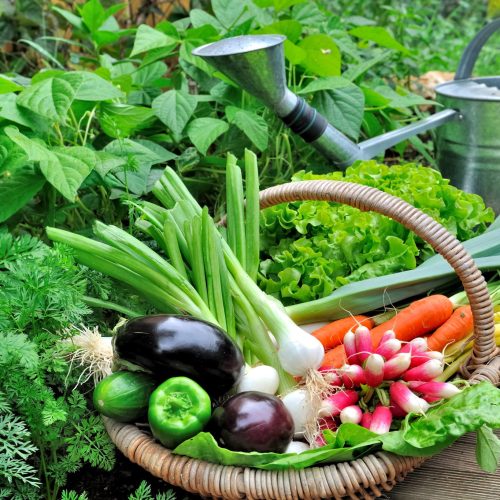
(51, 205)
(105, 304)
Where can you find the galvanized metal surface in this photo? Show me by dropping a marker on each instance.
(468, 149)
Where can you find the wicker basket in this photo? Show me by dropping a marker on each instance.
(366, 477)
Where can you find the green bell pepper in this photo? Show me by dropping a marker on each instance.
(178, 409)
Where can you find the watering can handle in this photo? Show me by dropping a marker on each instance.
(469, 57)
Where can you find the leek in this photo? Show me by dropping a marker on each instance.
(367, 295)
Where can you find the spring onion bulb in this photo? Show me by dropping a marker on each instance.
(297, 447)
(262, 378)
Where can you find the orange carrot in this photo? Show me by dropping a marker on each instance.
(458, 326)
(332, 335)
(420, 317)
(334, 358)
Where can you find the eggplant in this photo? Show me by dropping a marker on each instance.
(170, 346)
(252, 421)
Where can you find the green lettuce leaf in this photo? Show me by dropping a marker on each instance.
(311, 248)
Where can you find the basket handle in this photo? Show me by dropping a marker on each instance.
(367, 198)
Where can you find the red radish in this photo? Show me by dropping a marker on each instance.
(416, 345)
(328, 423)
(352, 376)
(388, 348)
(396, 410)
(381, 420)
(374, 370)
(352, 414)
(431, 399)
(396, 366)
(426, 372)
(334, 404)
(388, 335)
(350, 348)
(422, 357)
(407, 400)
(435, 389)
(366, 420)
(332, 377)
(332, 334)
(363, 342)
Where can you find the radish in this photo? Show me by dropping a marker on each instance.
(350, 348)
(381, 420)
(426, 372)
(363, 342)
(334, 404)
(388, 348)
(407, 400)
(352, 376)
(374, 370)
(396, 366)
(352, 414)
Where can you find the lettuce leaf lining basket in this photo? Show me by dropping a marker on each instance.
(367, 477)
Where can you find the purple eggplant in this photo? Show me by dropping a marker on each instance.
(171, 345)
(253, 421)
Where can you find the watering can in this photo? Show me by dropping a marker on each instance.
(468, 140)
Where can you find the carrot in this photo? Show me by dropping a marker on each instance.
(458, 326)
(332, 335)
(334, 358)
(420, 317)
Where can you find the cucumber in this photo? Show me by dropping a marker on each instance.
(124, 396)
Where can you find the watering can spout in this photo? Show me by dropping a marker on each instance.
(257, 64)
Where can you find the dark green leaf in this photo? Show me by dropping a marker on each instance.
(17, 188)
(204, 131)
(229, 12)
(9, 110)
(380, 36)
(323, 57)
(285, 4)
(93, 14)
(290, 28)
(174, 108)
(50, 98)
(7, 85)
(146, 75)
(328, 83)
(251, 124)
(141, 153)
(69, 16)
(122, 120)
(201, 18)
(343, 107)
(357, 70)
(88, 86)
(66, 168)
(148, 38)
(47, 55)
(487, 449)
(402, 98)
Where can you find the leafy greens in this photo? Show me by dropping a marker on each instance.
(311, 248)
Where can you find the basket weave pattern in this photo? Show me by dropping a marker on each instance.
(366, 477)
